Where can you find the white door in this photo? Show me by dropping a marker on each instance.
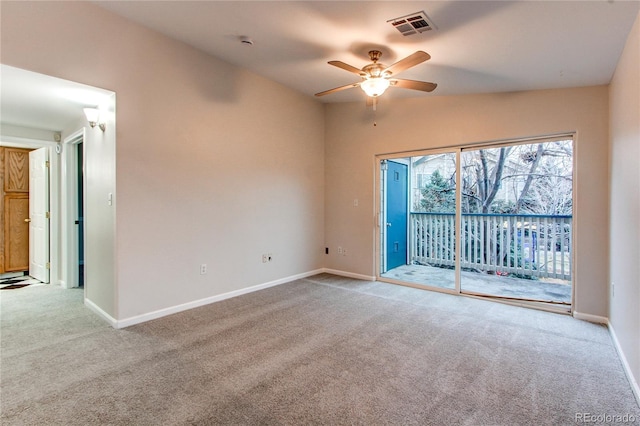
(39, 214)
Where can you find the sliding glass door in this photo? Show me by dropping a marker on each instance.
(493, 221)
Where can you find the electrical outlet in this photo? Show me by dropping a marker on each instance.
(203, 269)
(339, 250)
(265, 258)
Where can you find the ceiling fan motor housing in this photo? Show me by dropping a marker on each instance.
(375, 55)
(374, 70)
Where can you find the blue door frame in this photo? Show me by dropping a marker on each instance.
(396, 214)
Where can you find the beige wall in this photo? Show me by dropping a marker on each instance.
(213, 164)
(100, 216)
(624, 95)
(435, 122)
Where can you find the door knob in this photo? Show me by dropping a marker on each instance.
(27, 220)
(388, 223)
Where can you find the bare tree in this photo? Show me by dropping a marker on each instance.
(530, 178)
(527, 179)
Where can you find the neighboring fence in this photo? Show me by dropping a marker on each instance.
(520, 245)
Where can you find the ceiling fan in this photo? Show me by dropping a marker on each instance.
(377, 77)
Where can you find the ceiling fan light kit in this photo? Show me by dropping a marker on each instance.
(375, 86)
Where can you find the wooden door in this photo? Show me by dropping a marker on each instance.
(1, 210)
(16, 170)
(16, 232)
(15, 209)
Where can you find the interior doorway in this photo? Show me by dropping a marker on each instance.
(58, 104)
(73, 195)
(80, 204)
(54, 252)
(26, 211)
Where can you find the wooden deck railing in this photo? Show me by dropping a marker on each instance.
(520, 245)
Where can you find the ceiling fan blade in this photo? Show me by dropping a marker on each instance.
(346, 67)
(413, 84)
(408, 62)
(337, 89)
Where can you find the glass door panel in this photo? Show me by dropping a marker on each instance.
(516, 221)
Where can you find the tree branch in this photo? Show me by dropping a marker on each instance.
(498, 168)
(527, 184)
(569, 178)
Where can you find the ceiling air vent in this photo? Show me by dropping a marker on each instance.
(414, 23)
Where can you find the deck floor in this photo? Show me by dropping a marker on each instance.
(555, 291)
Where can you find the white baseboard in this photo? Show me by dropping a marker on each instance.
(623, 359)
(591, 318)
(63, 284)
(102, 314)
(625, 365)
(208, 300)
(349, 274)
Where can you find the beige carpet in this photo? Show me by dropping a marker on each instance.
(322, 350)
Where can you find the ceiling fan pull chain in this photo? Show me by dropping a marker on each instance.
(375, 109)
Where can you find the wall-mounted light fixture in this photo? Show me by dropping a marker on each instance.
(93, 117)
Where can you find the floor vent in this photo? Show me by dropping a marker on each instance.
(414, 23)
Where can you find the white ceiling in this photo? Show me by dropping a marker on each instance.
(478, 46)
(38, 101)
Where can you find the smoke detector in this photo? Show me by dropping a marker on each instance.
(415, 23)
